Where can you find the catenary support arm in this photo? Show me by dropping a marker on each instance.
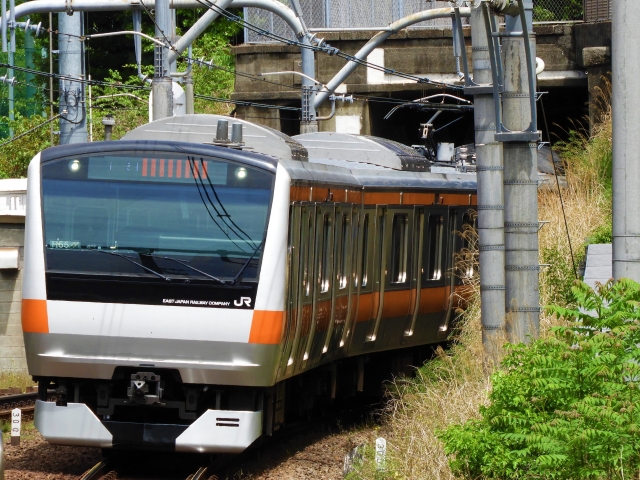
(46, 6)
(377, 39)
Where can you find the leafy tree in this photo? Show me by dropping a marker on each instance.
(16, 155)
(554, 10)
(564, 407)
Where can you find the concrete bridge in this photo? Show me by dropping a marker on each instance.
(576, 56)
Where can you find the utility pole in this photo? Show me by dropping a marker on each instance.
(626, 141)
(520, 177)
(73, 122)
(12, 49)
(490, 189)
(308, 122)
(29, 77)
(162, 88)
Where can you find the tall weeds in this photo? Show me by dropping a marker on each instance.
(452, 388)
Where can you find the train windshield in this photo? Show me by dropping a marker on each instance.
(155, 216)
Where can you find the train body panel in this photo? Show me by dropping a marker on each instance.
(175, 284)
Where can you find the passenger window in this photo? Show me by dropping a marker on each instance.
(325, 262)
(434, 257)
(365, 251)
(399, 248)
(343, 258)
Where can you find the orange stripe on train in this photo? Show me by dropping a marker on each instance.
(266, 327)
(34, 316)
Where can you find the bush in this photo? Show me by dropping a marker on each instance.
(565, 407)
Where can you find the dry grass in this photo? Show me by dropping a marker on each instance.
(10, 379)
(452, 388)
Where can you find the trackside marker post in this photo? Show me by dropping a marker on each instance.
(381, 453)
(16, 424)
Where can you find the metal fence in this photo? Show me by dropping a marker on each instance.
(380, 13)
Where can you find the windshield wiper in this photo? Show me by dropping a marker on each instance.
(237, 277)
(135, 263)
(185, 264)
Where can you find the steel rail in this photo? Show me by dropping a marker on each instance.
(24, 401)
(95, 472)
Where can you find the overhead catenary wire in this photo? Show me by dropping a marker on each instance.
(320, 48)
(49, 120)
(235, 18)
(138, 87)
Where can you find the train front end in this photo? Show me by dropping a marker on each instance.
(153, 293)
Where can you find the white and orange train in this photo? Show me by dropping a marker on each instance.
(185, 293)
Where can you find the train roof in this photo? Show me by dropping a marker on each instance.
(201, 128)
(309, 172)
(330, 148)
(361, 151)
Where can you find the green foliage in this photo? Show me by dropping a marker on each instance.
(130, 107)
(565, 407)
(554, 10)
(15, 156)
(216, 82)
(559, 276)
(603, 234)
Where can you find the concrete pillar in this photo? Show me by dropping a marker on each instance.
(162, 84)
(189, 94)
(490, 194)
(72, 93)
(349, 118)
(626, 141)
(521, 193)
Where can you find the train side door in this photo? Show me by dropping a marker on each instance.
(432, 292)
(417, 269)
(302, 287)
(342, 284)
(363, 282)
(355, 255)
(295, 255)
(380, 246)
(452, 236)
(322, 288)
(396, 299)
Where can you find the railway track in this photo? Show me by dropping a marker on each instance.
(24, 401)
(113, 470)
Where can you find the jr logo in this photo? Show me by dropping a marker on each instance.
(243, 300)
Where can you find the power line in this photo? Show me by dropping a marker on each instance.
(32, 129)
(247, 103)
(326, 49)
(136, 87)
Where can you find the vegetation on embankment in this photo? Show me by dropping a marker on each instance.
(462, 411)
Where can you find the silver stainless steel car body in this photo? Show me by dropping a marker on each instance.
(225, 355)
